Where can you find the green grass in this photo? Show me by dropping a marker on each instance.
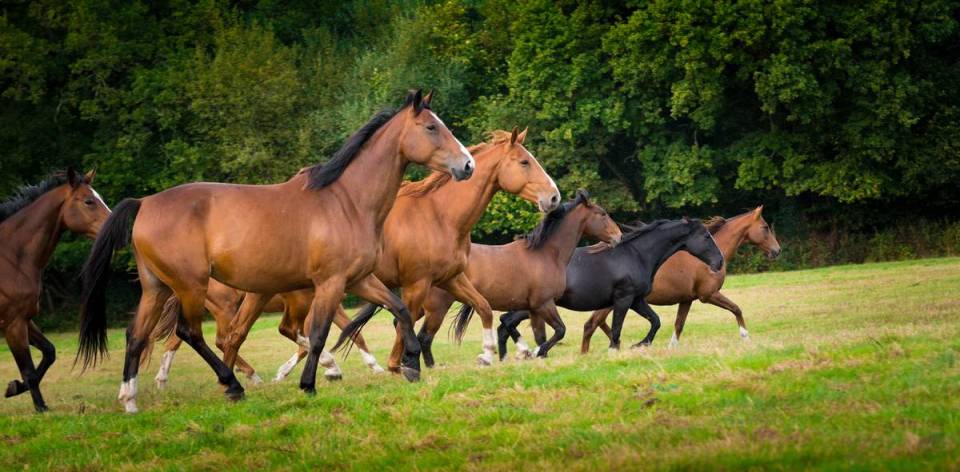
(851, 367)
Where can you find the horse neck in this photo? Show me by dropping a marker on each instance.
(563, 242)
(463, 203)
(664, 244)
(371, 181)
(730, 237)
(35, 230)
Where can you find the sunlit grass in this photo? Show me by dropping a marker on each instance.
(852, 366)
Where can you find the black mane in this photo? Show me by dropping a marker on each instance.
(646, 228)
(550, 223)
(28, 194)
(321, 175)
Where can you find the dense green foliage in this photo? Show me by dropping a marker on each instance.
(841, 117)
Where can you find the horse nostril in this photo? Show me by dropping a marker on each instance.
(554, 199)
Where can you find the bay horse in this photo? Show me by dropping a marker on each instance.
(321, 228)
(223, 302)
(31, 224)
(426, 236)
(621, 276)
(683, 278)
(529, 273)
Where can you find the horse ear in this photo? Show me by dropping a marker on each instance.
(582, 196)
(415, 100)
(522, 135)
(72, 177)
(427, 99)
(513, 135)
(89, 176)
(758, 211)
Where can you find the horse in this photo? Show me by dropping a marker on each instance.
(683, 278)
(621, 276)
(223, 302)
(321, 228)
(427, 233)
(31, 224)
(528, 273)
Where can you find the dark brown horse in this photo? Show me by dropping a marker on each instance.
(322, 228)
(427, 234)
(527, 274)
(684, 278)
(31, 224)
(223, 303)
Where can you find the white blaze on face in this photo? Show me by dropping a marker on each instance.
(99, 198)
(463, 149)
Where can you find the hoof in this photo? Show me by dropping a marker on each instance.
(14, 388)
(483, 361)
(255, 379)
(130, 407)
(744, 334)
(234, 396)
(41, 408)
(310, 391)
(412, 375)
(394, 369)
(641, 345)
(428, 361)
(333, 377)
(523, 355)
(161, 383)
(376, 369)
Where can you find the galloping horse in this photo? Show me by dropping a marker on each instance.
(527, 273)
(223, 303)
(321, 228)
(426, 236)
(683, 278)
(622, 276)
(31, 224)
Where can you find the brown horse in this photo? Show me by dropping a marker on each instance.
(31, 224)
(322, 228)
(223, 302)
(527, 274)
(683, 278)
(427, 233)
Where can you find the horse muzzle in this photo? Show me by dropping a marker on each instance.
(773, 254)
(464, 173)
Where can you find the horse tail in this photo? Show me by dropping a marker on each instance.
(462, 321)
(350, 332)
(95, 275)
(164, 329)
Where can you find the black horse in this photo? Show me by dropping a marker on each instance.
(621, 276)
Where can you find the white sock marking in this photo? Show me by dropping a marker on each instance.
(288, 366)
(743, 333)
(674, 341)
(370, 361)
(164, 373)
(128, 395)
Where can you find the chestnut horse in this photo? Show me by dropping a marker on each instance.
(223, 303)
(322, 228)
(528, 273)
(31, 224)
(427, 233)
(684, 278)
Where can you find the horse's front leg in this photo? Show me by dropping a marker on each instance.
(327, 296)
(373, 290)
(722, 301)
(620, 307)
(462, 289)
(640, 306)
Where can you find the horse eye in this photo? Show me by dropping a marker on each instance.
(88, 202)
(431, 127)
(525, 163)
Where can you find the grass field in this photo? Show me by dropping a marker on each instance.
(847, 367)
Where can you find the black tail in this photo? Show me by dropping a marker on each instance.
(351, 331)
(114, 235)
(462, 321)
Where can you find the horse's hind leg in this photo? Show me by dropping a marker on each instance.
(640, 306)
(721, 301)
(18, 339)
(682, 311)
(508, 328)
(152, 300)
(596, 320)
(373, 290)
(190, 330)
(223, 319)
(341, 319)
(290, 327)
